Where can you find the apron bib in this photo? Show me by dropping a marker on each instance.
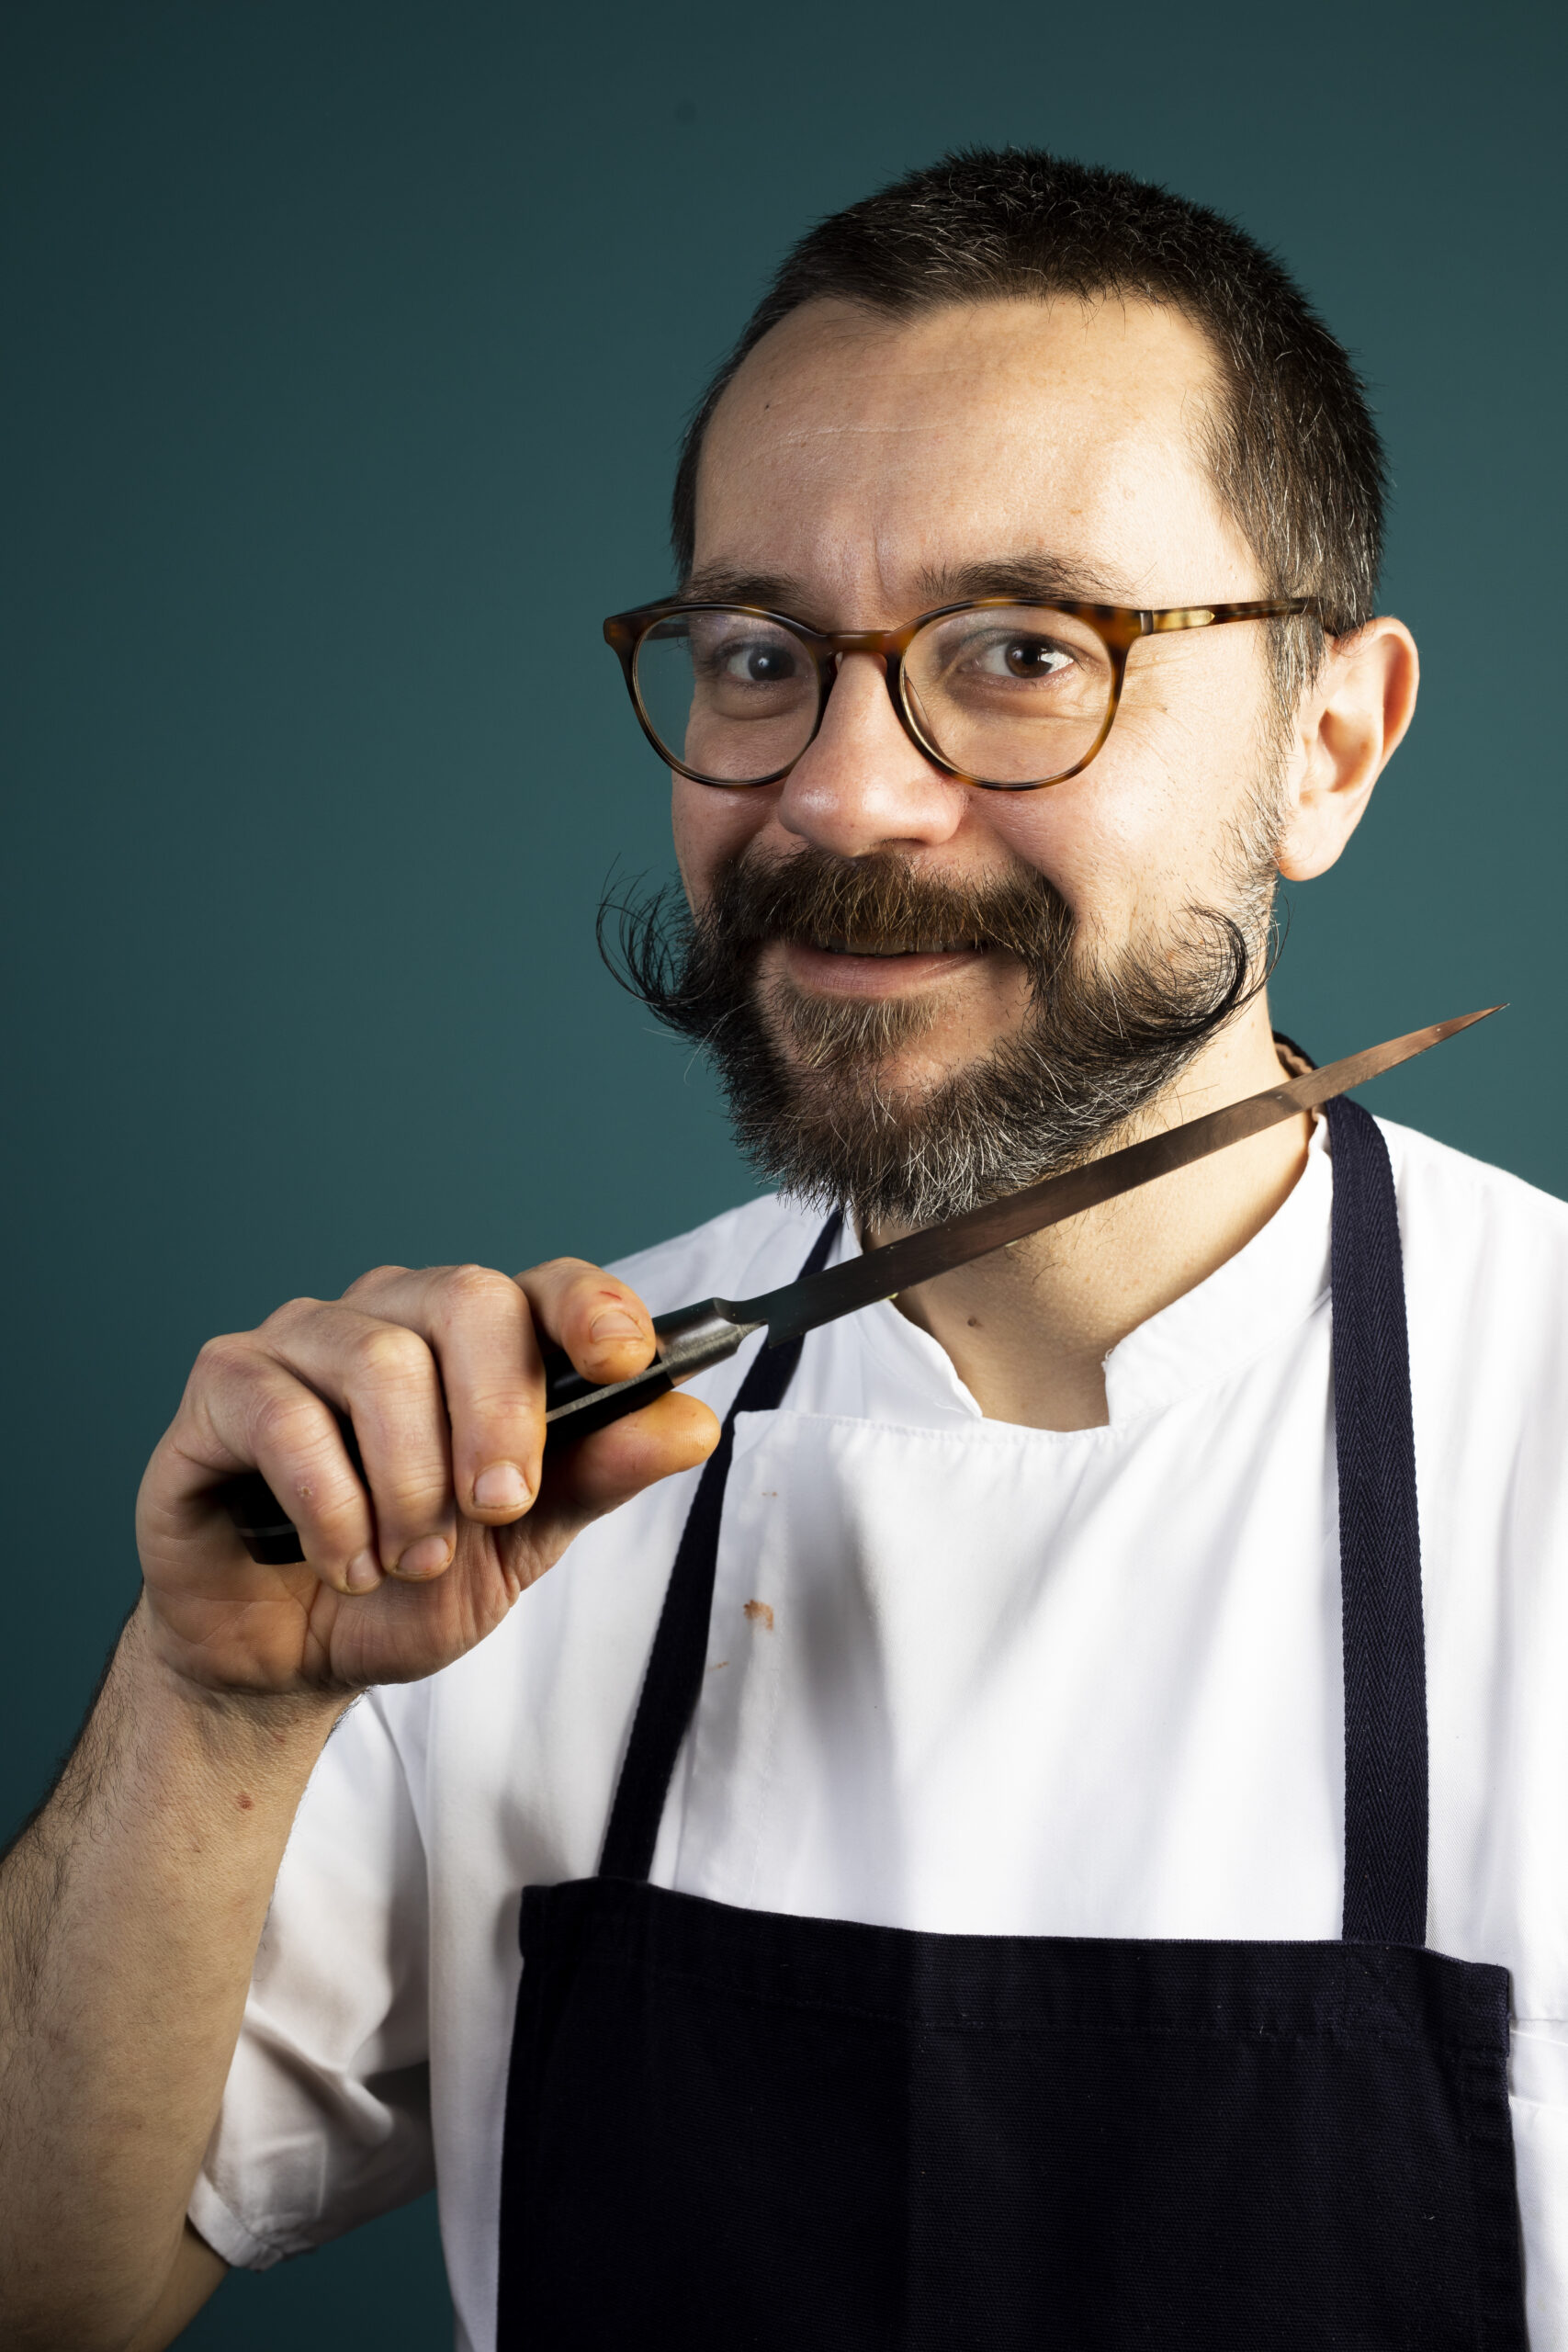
(729, 2127)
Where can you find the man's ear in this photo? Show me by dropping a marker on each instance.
(1350, 722)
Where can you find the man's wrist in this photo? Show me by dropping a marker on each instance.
(270, 1731)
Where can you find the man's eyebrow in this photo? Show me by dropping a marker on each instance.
(713, 584)
(1066, 579)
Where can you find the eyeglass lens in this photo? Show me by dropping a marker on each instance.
(1011, 695)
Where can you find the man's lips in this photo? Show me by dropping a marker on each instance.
(865, 971)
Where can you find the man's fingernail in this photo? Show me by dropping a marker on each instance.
(501, 1486)
(615, 1324)
(425, 1559)
(363, 1573)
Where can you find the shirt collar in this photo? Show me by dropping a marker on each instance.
(1242, 1309)
(1245, 1307)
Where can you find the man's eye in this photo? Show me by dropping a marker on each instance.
(1024, 657)
(759, 664)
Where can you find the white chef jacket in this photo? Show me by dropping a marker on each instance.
(963, 1676)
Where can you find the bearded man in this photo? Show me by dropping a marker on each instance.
(957, 1869)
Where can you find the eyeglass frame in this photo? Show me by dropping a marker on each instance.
(1118, 626)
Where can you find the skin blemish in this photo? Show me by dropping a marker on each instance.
(245, 1802)
(761, 1614)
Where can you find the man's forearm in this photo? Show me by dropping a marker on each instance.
(129, 1913)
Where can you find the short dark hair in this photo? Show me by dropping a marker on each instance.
(1293, 450)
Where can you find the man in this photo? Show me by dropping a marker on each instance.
(1013, 1943)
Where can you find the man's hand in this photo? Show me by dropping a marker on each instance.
(441, 1374)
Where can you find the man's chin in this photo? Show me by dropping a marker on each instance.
(898, 1073)
(894, 1086)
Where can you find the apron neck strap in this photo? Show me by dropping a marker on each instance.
(674, 1676)
(1380, 1546)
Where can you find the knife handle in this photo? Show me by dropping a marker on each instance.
(689, 1340)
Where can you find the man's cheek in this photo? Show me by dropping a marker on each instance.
(710, 829)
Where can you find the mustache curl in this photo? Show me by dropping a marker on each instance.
(1101, 1040)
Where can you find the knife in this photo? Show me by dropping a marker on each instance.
(690, 1338)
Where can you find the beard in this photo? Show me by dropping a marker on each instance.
(810, 1079)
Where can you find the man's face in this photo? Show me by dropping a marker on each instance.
(858, 472)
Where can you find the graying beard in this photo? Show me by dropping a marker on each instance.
(833, 1133)
(1099, 1045)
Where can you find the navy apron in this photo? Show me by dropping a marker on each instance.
(730, 2128)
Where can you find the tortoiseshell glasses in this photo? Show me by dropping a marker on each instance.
(1003, 692)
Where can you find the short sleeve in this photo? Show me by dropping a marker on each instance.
(325, 2120)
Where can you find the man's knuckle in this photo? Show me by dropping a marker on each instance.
(494, 1401)
(374, 1277)
(287, 1420)
(387, 1355)
(415, 1494)
(223, 1357)
(290, 1317)
(338, 1515)
(464, 1288)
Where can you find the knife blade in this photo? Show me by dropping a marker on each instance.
(692, 1338)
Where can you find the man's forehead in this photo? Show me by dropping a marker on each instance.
(1059, 435)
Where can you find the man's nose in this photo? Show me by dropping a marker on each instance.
(862, 785)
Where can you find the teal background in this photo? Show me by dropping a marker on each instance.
(347, 349)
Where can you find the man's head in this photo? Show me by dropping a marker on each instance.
(1009, 375)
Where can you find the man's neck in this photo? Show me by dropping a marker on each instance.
(1029, 1328)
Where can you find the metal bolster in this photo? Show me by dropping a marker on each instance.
(696, 1337)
